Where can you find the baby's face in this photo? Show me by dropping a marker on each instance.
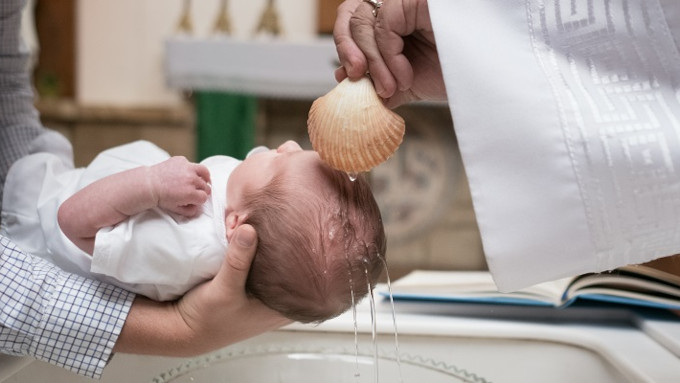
(258, 169)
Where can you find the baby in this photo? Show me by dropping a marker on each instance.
(159, 225)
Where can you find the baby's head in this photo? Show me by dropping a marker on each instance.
(321, 239)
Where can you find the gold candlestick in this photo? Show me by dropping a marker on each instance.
(269, 21)
(185, 25)
(223, 21)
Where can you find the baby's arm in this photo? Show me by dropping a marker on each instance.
(175, 185)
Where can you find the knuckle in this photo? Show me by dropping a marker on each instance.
(355, 61)
(382, 30)
(237, 261)
(358, 22)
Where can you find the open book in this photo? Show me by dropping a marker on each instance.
(654, 284)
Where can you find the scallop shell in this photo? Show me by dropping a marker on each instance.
(351, 129)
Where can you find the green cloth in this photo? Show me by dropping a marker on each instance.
(225, 124)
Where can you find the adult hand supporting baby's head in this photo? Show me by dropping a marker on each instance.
(219, 310)
(210, 316)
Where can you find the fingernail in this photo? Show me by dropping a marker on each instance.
(379, 89)
(245, 238)
(348, 68)
(340, 74)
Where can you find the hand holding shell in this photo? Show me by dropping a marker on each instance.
(351, 129)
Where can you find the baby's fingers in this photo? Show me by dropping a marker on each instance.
(201, 185)
(195, 197)
(202, 182)
(202, 172)
(187, 210)
(189, 204)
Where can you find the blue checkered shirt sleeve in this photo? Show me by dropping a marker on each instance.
(57, 317)
(19, 120)
(46, 313)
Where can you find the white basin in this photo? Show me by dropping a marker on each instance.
(312, 363)
(434, 346)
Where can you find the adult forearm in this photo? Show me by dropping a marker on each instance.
(156, 328)
(165, 328)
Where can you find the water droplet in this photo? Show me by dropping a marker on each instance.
(394, 318)
(352, 176)
(356, 327)
(374, 327)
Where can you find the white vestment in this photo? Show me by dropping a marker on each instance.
(567, 115)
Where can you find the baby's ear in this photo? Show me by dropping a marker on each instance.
(232, 221)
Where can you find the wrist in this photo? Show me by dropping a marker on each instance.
(157, 328)
(152, 184)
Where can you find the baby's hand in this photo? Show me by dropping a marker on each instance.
(180, 186)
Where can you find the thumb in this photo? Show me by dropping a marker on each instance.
(239, 257)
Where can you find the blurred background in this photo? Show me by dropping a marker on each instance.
(208, 77)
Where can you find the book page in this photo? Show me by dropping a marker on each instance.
(605, 294)
(473, 286)
(666, 269)
(618, 284)
(651, 284)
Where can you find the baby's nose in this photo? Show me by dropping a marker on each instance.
(289, 146)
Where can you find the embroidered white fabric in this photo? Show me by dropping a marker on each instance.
(568, 115)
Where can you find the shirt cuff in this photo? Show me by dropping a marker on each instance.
(81, 324)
